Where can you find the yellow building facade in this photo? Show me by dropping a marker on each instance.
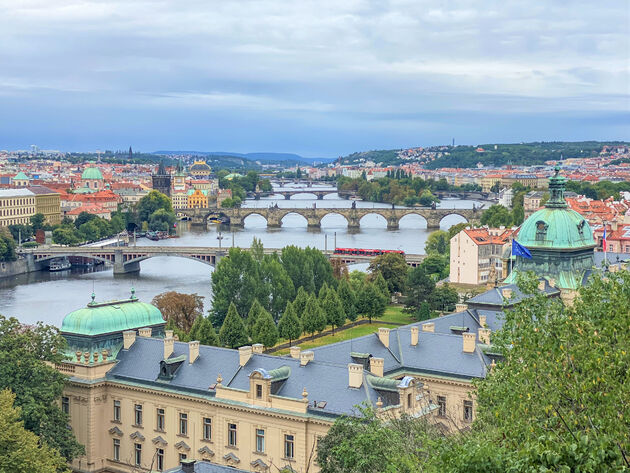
(197, 199)
(47, 203)
(17, 206)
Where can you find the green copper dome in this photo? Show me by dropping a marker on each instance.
(556, 226)
(92, 173)
(110, 317)
(20, 176)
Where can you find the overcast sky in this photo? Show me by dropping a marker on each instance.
(319, 78)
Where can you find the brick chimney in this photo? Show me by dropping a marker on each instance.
(145, 332)
(482, 320)
(541, 285)
(377, 366)
(258, 348)
(484, 335)
(414, 335)
(552, 282)
(244, 354)
(305, 357)
(295, 352)
(383, 336)
(193, 351)
(169, 346)
(129, 337)
(461, 307)
(469, 342)
(428, 327)
(355, 375)
(168, 334)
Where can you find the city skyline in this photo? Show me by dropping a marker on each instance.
(316, 79)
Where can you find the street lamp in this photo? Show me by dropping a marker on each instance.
(219, 237)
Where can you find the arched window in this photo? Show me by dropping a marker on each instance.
(541, 230)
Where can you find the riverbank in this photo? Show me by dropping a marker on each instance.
(9, 269)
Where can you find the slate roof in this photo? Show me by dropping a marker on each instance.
(207, 467)
(494, 296)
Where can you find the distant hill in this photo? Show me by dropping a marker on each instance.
(262, 157)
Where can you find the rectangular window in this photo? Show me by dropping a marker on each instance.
(468, 411)
(183, 423)
(232, 435)
(259, 391)
(138, 454)
(117, 450)
(207, 428)
(159, 459)
(65, 404)
(441, 400)
(138, 414)
(117, 411)
(260, 440)
(289, 446)
(409, 401)
(160, 420)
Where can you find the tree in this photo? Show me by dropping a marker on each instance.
(152, 202)
(299, 304)
(419, 288)
(299, 268)
(82, 218)
(438, 243)
(277, 287)
(161, 220)
(370, 301)
(265, 330)
(289, 325)
(322, 270)
(7, 246)
(65, 236)
(313, 319)
(27, 356)
(455, 229)
(423, 312)
(393, 268)
(436, 266)
(203, 331)
(21, 232)
(348, 299)
(90, 231)
(321, 295)
(22, 451)
(444, 298)
(182, 309)
(333, 309)
(254, 312)
(381, 285)
(37, 221)
(233, 333)
(496, 216)
(340, 269)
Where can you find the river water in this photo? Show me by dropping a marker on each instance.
(48, 297)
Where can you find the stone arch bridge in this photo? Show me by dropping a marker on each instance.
(314, 216)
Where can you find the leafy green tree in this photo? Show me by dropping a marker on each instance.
(257, 249)
(299, 268)
(322, 269)
(183, 309)
(289, 325)
(203, 331)
(444, 298)
(348, 299)
(381, 285)
(82, 218)
(161, 220)
(117, 224)
(322, 293)
(265, 330)
(180, 334)
(371, 302)
(438, 243)
(313, 319)
(22, 451)
(65, 236)
(436, 266)
(423, 312)
(496, 216)
(299, 304)
(7, 246)
(455, 229)
(419, 289)
(393, 268)
(233, 333)
(27, 354)
(333, 309)
(21, 231)
(152, 202)
(254, 312)
(235, 280)
(90, 231)
(277, 287)
(37, 221)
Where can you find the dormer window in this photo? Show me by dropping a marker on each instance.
(259, 391)
(541, 230)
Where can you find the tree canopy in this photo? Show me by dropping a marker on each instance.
(233, 333)
(182, 309)
(393, 268)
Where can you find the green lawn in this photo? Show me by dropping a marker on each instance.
(395, 314)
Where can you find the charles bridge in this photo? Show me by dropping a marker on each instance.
(274, 215)
(126, 259)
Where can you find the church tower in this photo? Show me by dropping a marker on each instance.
(162, 180)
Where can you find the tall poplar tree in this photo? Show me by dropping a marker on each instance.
(265, 330)
(233, 333)
(333, 309)
(290, 326)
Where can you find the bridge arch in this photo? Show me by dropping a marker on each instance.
(310, 195)
(453, 218)
(380, 220)
(413, 220)
(292, 213)
(48, 258)
(333, 214)
(246, 215)
(209, 260)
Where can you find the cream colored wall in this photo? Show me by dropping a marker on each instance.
(456, 392)
(50, 206)
(16, 210)
(464, 264)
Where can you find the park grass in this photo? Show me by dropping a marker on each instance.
(394, 314)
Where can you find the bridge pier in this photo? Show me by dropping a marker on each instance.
(433, 223)
(273, 222)
(287, 196)
(236, 222)
(314, 222)
(120, 267)
(320, 196)
(392, 223)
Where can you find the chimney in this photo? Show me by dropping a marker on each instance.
(258, 348)
(188, 466)
(461, 307)
(145, 332)
(376, 366)
(295, 352)
(482, 320)
(623, 265)
(484, 335)
(305, 357)
(428, 327)
(129, 337)
(414, 336)
(552, 282)
(541, 285)
(193, 351)
(169, 346)
(506, 292)
(244, 354)
(383, 336)
(355, 375)
(469, 342)
(168, 334)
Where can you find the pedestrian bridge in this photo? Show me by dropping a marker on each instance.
(126, 259)
(314, 216)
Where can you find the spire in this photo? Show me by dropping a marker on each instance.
(557, 185)
(161, 169)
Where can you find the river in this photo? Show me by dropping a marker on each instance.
(48, 297)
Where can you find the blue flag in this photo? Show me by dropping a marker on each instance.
(520, 250)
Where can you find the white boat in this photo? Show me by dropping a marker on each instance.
(59, 264)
